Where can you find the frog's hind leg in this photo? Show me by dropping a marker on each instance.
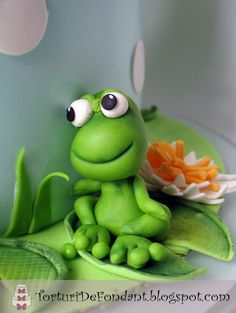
(84, 209)
(155, 220)
(147, 226)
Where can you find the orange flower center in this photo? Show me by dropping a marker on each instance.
(168, 162)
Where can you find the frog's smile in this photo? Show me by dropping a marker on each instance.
(123, 152)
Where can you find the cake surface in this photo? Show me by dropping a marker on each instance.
(56, 235)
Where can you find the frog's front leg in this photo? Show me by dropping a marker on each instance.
(89, 236)
(155, 220)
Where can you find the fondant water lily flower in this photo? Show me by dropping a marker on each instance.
(167, 169)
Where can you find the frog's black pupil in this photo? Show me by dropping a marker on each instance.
(70, 114)
(109, 102)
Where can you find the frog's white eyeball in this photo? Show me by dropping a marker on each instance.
(79, 112)
(114, 105)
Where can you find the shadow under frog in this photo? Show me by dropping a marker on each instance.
(108, 150)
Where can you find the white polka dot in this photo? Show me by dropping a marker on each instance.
(138, 69)
(22, 25)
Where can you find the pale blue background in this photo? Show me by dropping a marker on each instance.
(191, 60)
(88, 46)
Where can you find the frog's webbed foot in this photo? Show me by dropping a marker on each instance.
(136, 251)
(94, 239)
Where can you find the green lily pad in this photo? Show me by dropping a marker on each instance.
(173, 268)
(42, 209)
(22, 209)
(20, 259)
(200, 230)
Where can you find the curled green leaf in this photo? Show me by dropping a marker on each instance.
(22, 208)
(42, 208)
(200, 230)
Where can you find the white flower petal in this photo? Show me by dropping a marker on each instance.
(160, 181)
(191, 190)
(172, 190)
(215, 194)
(204, 184)
(147, 168)
(224, 177)
(190, 159)
(212, 201)
(180, 181)
(196, 197)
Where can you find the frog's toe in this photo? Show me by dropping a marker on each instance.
(138, 257)
(93, 238)
(82, 242)
(157, 251)
(100, 250)
(118, 255)
(131, 249)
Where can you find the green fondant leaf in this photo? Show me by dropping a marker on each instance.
(149, 113)
(42, 210)
(20, 259)
(174, 267)
(22, 208)
(200, 230)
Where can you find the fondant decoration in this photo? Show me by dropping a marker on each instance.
(79, 112)
(110, 151)
(30, 261)
(22, 209)
(68, 251)
(149, 113)
(167, 169)
(138, 70)
(21, 300)
(42, 208)
(202, 231)
(172, 267)
(114, 105)
(28, 216)
(22, 25)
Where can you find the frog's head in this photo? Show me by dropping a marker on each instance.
(111, 141)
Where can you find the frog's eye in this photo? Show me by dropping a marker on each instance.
(79, 112)
(114, 105)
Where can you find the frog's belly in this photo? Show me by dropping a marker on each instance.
(113, 212)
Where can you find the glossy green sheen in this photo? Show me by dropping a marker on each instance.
(42, 208)
(108, 152)
(106, 149)
(202, 231)
(68, 251)
(173, 267)
(22, 208)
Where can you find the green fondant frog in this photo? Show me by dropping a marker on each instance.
(117, 216)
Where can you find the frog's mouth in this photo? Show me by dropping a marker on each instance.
(119, 155)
